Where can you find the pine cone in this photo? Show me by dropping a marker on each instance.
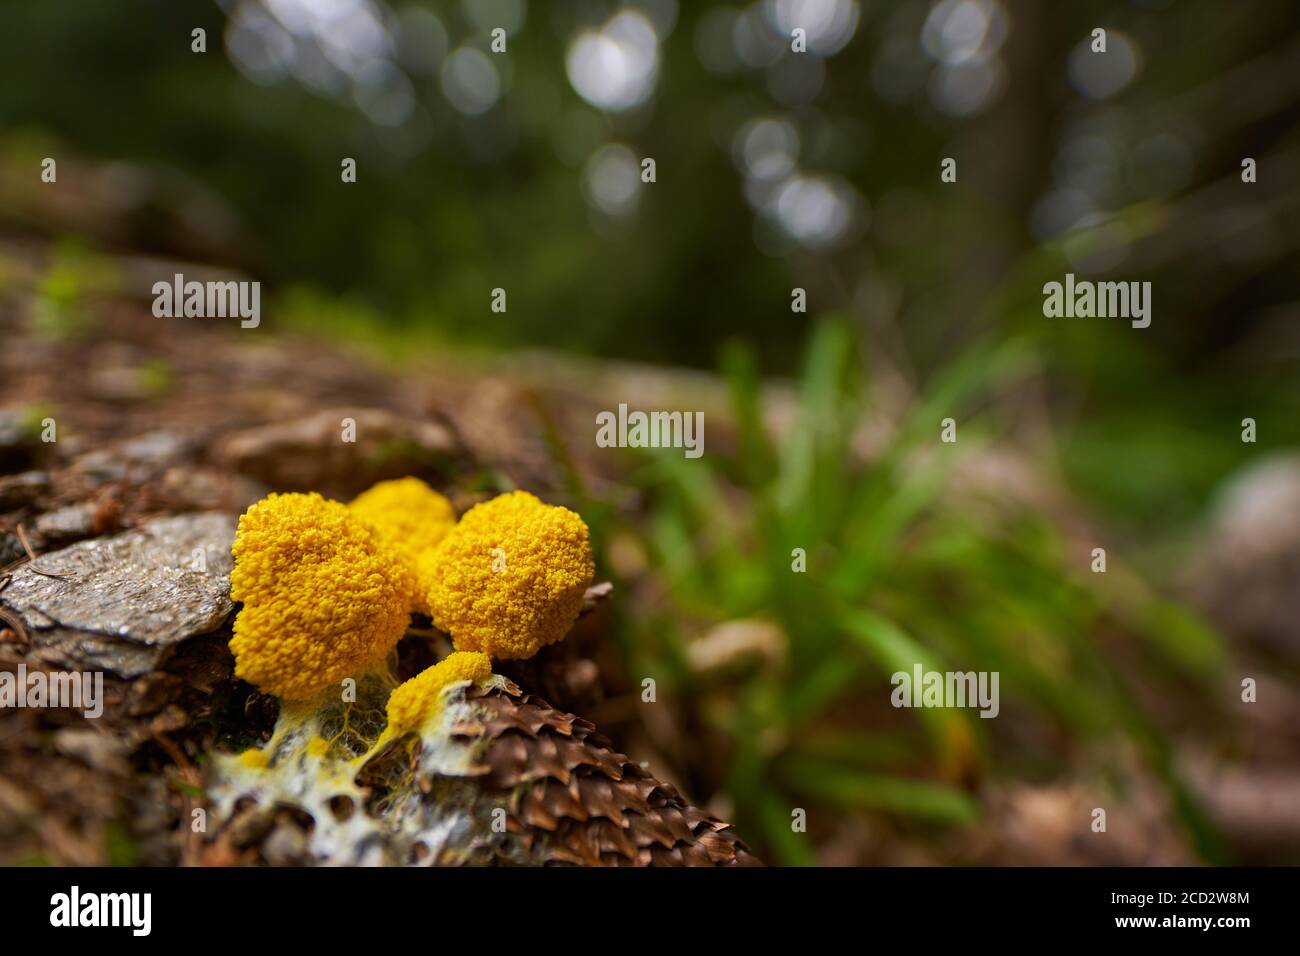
(573, 799)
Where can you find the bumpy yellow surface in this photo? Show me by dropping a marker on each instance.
(410, 517)
(323, 597)
(509, 578)
(415, 701)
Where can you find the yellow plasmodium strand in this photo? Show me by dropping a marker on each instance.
(509, 578)
(410, 517)
(254, 758)
(412, 703)
(323, 596)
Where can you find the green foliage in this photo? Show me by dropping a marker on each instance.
(121, 849)
(75, 273)
(903, 567)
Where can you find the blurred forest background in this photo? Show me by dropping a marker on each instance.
(777, 170)
(774, 170)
